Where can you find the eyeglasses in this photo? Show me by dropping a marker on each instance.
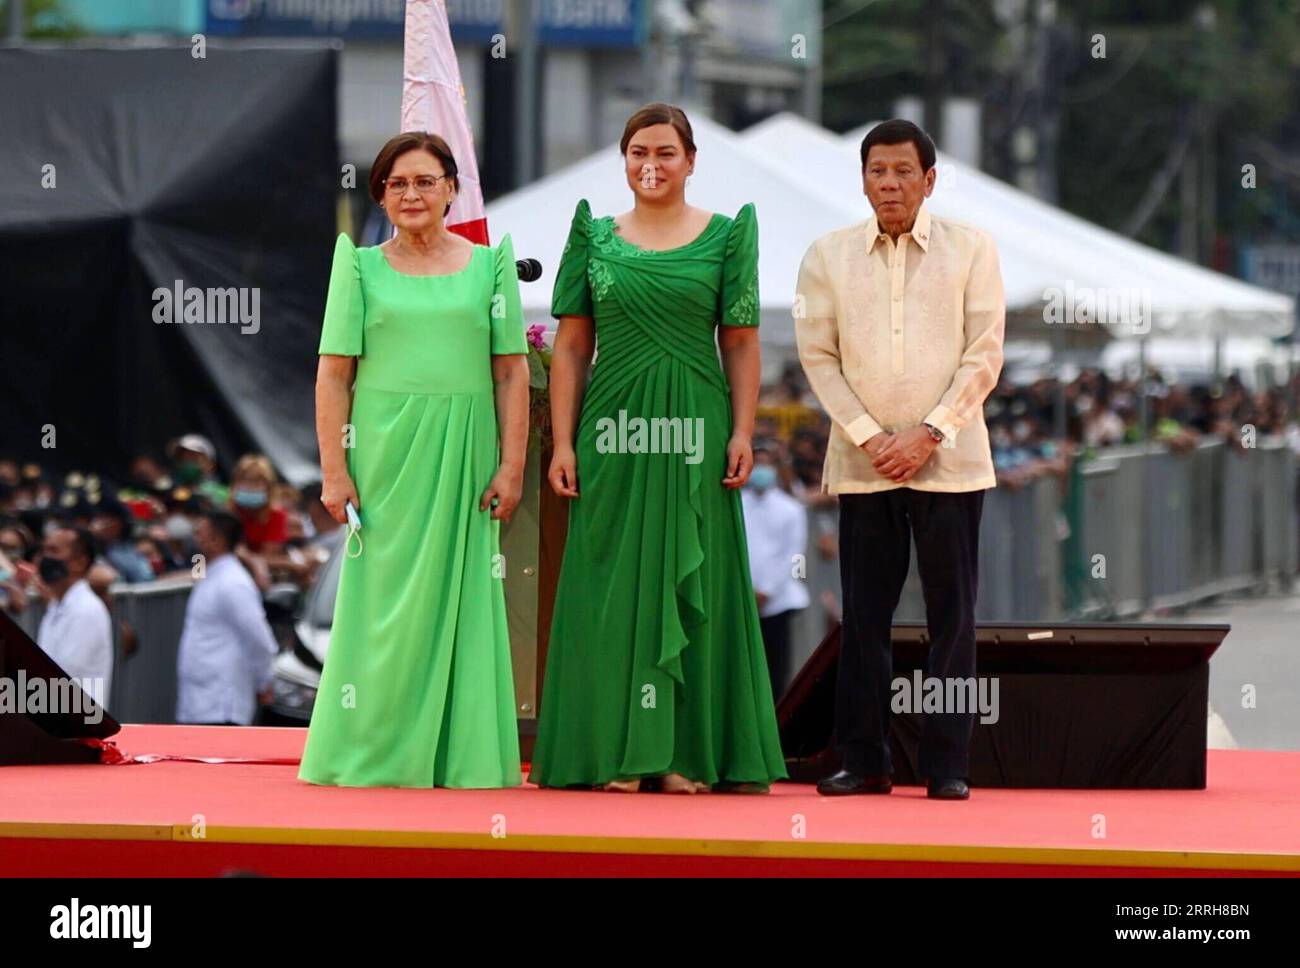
(423, 184)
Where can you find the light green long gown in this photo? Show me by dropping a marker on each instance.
(417, 689)
(656, 661)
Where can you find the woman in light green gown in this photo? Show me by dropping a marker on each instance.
(417, 689)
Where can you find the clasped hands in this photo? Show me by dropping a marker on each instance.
(900, 456)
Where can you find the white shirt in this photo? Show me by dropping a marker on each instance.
(893, 335)
(1103, 430)
(77, 633)
(226, 647)
(776, 530)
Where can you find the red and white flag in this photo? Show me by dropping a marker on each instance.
(433, 100)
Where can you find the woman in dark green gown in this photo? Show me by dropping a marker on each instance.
(656, 665)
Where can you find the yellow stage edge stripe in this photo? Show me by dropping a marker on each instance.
(676, 847)
(89, 831)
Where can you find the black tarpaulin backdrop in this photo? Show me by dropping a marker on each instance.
(219, 171)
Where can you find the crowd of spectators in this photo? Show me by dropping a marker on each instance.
(143, 528)
(1037, 427)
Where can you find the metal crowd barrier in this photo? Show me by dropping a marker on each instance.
(1233, 528)
(144, 683)
(1172, 528)
(1278, 535)
(1156, 529)
(1019, 557)
(1111, 542)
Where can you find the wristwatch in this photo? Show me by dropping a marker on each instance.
(935, 433)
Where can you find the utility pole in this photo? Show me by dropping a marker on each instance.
(521, 44)
(651, 54)
(811, 94)
(15, 28)
(1048, 111)
(936, 69)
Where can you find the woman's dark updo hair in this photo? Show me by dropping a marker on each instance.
(659, 113)
(399, 145)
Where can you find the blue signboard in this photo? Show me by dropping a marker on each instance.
(1274, 266)
(562, 23)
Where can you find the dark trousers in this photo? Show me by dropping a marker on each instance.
(876, 534)
(776, 643)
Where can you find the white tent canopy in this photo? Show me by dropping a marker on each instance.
(1043, 248)
(727, 175)
(1194, 361)
(805, 181)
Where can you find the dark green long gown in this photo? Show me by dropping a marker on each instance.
(656, 661)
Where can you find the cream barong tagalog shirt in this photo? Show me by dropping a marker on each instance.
(893, 335)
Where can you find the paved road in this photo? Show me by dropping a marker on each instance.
(1262, 650)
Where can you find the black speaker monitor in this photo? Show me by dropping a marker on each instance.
(49, 730)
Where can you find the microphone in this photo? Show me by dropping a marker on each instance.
(529, 270)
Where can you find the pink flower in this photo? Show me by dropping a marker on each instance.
(536, 334)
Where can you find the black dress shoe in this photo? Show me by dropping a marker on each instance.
(845, 783)
(951, 788)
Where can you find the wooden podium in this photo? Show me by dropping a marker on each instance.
(1081, 706)
(532, 544)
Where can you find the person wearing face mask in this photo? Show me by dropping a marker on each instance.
(194, 461)
(13, 596)
(266, 528)
(113, 525)
(17, 573)
(16, 541)
(776, 531)
(76, 631)
(264, 551)
(35, 492)
(175, 533)
(223, 663)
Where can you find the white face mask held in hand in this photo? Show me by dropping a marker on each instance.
(354, 529)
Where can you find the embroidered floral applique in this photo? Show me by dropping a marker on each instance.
(601, 279)
(604, 234)
(746, 307)
(599, 231)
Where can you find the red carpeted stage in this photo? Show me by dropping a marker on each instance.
(186, 818)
